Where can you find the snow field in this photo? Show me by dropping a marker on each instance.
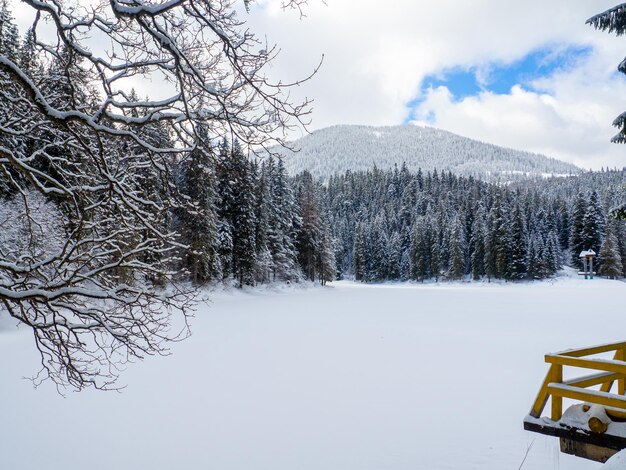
(352, 376)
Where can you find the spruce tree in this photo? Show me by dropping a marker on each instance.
(244, 221)
(552, 257)
(517, 247)
(614, 21)
(542, 267)
(326, 258)
(577, 243)
(264, 261)
(199, 227)
(281, 231)
(236, 209)
(359, 254)
(477, 258)
(435, 255)
(393, 256)
(533, 268)
(9, 35)
(457, 250)
(620, 234)
(499, 241)
(611, 260)
(309, 241)
(593, 224)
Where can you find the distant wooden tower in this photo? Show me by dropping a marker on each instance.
(587, 257)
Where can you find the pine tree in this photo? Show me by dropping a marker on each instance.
(564, 226)
(199, 227)
(478, 243)
(552, 254)
(244, 218)
(237, 211)
(593, 224)
(435, 255)
(620, 234)
(457, 250)
(497, 247)
(577, 243)
(378, 250)
(225, 249)
(359, 254)
(9, 177)
(489, 260)
(9, 35)
(542, 270)
(326, 259)
(28, 60)
(418, 255)
(393, 256)
(264, 261)
(281, 232)
(309, 241)
(611, 260)
(614, 21)
(533, 268)
(517, 252)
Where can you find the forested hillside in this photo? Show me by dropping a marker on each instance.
(214, 215)
(252, 223)
(399, 225)
(338, 149)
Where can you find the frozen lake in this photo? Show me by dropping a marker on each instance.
(345, 377)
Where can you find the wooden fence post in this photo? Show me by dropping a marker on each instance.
(557, 401)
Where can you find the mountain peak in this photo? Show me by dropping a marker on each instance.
(339, 148)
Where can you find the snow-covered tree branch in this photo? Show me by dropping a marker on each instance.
(87, 165)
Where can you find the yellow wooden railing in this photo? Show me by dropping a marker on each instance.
(610, 371)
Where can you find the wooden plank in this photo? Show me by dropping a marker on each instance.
(542, 396)
(585, 450)
(605, 440)
(606, 387)
(591, 380)
(556, 400)
(615, 413)
(591, 396)
(619, 355)
(592, 350)
(606, 365)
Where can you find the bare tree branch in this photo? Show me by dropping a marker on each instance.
(90, 263)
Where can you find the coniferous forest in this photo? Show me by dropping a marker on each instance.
(174, 183)
(251, 223)
(398, 225)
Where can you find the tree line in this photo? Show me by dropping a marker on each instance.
(251, 223)
(400, 225)
(94, 203)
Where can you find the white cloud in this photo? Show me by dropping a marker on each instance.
(377, 53)
(569, 118)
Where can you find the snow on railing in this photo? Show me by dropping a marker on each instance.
(610, 371)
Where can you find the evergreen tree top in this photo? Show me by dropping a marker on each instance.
(612, 20)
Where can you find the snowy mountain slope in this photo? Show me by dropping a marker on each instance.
(340, 148)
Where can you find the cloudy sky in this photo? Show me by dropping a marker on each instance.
(529, 75)
(526, 74)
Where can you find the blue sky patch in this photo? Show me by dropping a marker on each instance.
(499, 78)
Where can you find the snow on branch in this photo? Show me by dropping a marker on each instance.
(612, 20)
(88, 256)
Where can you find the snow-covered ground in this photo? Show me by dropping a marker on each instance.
(337, 378)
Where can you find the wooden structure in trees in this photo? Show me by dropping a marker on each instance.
(587, 257)
(595, 427)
